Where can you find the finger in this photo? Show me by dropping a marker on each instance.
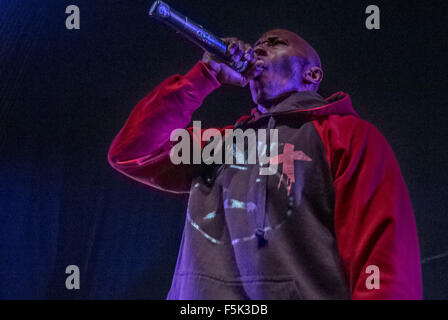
(231, 44)
(241, 45)
(241, 81)
(244, 81)
(249, 55)
(227, 40)
(232, 48)
(206, 56)
(239, 51)
(234, 78)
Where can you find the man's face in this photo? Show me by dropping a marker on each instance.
(281, 52)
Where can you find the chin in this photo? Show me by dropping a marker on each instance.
(260, 100)
(259, 94)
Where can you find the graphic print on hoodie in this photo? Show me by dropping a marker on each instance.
(336, 205)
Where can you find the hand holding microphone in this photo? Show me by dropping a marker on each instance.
(232, 61)
(239, 52)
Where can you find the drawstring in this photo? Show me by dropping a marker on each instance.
(261, 203)
(260, 231)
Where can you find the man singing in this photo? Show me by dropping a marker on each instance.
(334, 222)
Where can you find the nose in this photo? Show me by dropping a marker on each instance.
(259, 51)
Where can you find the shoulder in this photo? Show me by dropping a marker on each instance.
(348, 130)
(350, 141)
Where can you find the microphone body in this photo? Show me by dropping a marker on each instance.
(195, 33)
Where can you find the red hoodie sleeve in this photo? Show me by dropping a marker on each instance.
(374, 221)
(141, 148)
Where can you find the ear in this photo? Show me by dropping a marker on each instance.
(313, 75)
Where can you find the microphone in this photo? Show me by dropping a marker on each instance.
(195, 33)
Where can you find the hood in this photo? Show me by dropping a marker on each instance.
(310, 103)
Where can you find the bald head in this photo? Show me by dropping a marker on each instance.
(291, 65)
(303, 49)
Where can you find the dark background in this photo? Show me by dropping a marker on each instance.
(64, 94)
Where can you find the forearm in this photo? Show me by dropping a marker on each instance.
(168, 107)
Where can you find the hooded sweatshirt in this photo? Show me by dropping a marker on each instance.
(334, 221)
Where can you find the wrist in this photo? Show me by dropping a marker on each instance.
(202, 80)
(213, 68)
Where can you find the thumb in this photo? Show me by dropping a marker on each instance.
(232, 77)
(243, 81)
(211, 63)
(236, 78)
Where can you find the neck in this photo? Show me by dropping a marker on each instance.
(265, 106)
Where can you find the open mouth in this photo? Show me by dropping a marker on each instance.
(262, 69)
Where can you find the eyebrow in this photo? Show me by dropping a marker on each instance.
(270, 39)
